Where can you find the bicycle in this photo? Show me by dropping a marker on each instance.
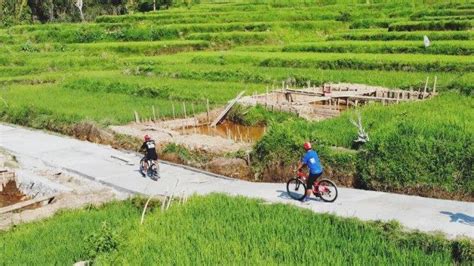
(152, 169)
(324, 188)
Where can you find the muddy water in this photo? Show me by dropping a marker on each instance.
(341, 106)
(10, 194)
(229, 130)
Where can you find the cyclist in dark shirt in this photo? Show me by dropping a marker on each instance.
(149, 148)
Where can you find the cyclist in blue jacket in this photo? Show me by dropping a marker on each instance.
(311, 160)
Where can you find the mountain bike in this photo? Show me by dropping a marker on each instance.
(152, 169)
(324, 188)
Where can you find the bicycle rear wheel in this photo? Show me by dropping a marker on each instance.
(296, 189)
(142, 167)
(327, 190)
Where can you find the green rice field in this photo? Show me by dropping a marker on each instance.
(55, 75)
(218, 229)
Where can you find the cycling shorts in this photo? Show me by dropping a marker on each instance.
(151, 157)
(311, 179)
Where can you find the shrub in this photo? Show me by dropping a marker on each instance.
(103, 241)
(344, 16)
(372, 23)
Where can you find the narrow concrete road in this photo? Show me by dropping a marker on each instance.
(33, 148)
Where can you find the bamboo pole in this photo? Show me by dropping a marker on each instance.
(434, 84)
(207, 106)
(172, 194)
(144, 209)
(174, 113)
(266, 98)
(184, 109)
(137, 118)
(163, 204)
(426, 87)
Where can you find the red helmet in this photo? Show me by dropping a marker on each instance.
(307, 146)
(147, 138)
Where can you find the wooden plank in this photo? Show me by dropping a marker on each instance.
(303, 92)
(369, 98)
(120, 158)
(226, 110)
(21, 205)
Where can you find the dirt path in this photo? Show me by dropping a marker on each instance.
(95, 162)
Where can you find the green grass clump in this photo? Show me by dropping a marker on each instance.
(442, 12)
(372, 23)
(395, 47)
(222, 17)
(61, 239)
(238, 38)
(407, 35)
(400, 62)
(431, 25)
(142, 48)
(218, 229)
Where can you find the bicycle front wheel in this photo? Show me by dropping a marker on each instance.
(296, 189)
(327, 190)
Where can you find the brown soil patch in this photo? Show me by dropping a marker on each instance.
(10, 194)
(232, 167)
(180, 132)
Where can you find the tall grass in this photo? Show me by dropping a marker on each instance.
(412, 144)
(412, 36)
(342, 61)
(431, 25)
(273, 76)
(219, 229)
(60, 239)
(439, 47)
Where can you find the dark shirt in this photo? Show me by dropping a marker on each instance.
(149, 148)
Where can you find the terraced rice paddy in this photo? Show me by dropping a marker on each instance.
(56, 75)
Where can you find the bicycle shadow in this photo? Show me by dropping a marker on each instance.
(459, 218)
(284, 195)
